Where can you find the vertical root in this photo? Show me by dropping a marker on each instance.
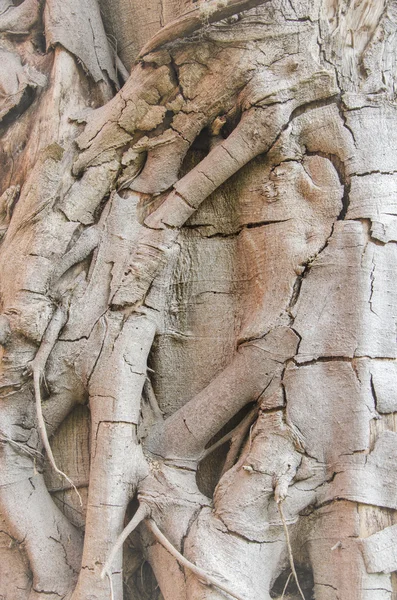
(290, 555)
(111, 585)
(43, 431)
(286, 585)
(140, 515)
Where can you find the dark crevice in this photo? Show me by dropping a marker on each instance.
(344, 179)
(287, 584)
(319, 359)
(16, 111)
(375, 172)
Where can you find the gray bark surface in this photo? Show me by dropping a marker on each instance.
(198, 309)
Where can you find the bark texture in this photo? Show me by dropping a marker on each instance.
(198, 300)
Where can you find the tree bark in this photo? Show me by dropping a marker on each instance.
(198, 300)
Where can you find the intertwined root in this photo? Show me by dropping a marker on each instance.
(157, 116)
(243, 521)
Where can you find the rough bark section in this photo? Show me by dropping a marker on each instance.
(368, 479)
(365, 327)
(259, 159)
(338, 566)
(379, 551)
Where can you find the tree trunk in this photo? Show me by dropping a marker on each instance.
(198, 300)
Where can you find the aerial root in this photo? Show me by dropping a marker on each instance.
(200, 573)
(143, 513)
(43, 431)
(286, 585)
(235, 436)
(110, 585)
(290, 555)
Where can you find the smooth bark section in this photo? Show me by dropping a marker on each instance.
(78, 28)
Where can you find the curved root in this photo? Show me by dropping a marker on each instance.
(143, 513)
(43, 431)
(200, 573)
